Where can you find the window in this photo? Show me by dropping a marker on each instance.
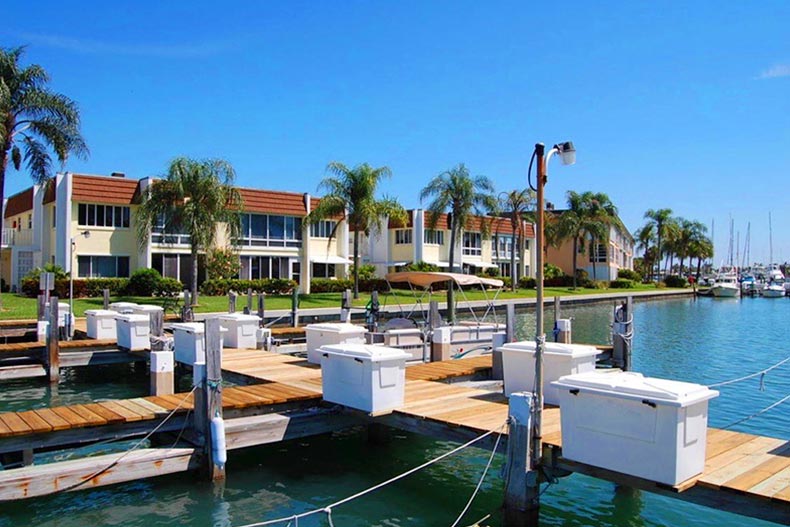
(102, 266)
(257, 267)
(54, 216)
(178, 266)
(473, 243)
(29, 221)
(323, 270)
(322, 229)
(91, 215)
(402, 236)
(160, 234)
(505, 245)
(599, 253)
(269, 230)
(433, 237)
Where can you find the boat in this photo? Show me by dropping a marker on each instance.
(774, 290)
(726, 284)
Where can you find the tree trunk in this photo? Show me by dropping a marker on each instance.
(575, 255)
(3, 165)
(450, 289)
(194, 275)
(356, 264)
(699, 265)
(658, 253)
(594, 257)
(513, 273)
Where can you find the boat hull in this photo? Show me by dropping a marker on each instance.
(774, 293)
(724, 292)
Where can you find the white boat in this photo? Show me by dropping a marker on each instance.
(725, 285)
(773, 290)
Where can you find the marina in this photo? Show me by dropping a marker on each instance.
(743, 473)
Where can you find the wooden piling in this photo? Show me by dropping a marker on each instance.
(345, 306)
(497, 370)
(162, 373)
(522, 503)
(105, 298)
(53, 344)
(212, 387)
(622, 330)
(248, 308)
(295, 308)
(510, 322)
(41, 308)
(557, 313)
(434, 318)
(441, 348)
(261, 307)
(564, 332)
(231, 302)
(186, 309)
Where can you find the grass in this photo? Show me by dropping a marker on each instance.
(19, 307)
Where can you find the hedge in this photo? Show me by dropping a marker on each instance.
(526, 282)
(622, 283)
(93, 287)
(675, 281)
(628, 274)
(270, 286)
(329, 285)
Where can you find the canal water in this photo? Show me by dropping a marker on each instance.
(705, 341)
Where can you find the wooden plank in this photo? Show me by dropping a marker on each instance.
(726, 441)
(257, 394)
(144, 413)
(72, 418)
(54, 420)
(128, 415)
(15, 424)
(150, 406)
(162, 403)
(105, 413)
(178, 400)
(773, 485)
(730, 463)
(4, 429)
(765, 466)
(92, 418)
(35, 422)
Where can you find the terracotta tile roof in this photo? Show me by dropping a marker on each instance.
(49, 191)
(19, 203)
(273, 201)
(442, 223)
(103, 189)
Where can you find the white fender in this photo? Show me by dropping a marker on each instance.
(218, 451)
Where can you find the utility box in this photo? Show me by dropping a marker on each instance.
(518, 366)
(133, 331)
(646, 427)
(331, 333)
(241, 330)
(189, 342)
(100, 323)
(123, 307)
(363, 376)
(64, 313)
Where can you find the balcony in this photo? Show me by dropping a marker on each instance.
(17, 237)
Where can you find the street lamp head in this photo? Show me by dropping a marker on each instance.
(568, 152)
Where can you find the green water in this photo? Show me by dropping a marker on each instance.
(703, 341)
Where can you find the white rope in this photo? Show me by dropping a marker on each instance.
(134, 447)
(482, 478)
(328, 509)
(766, 409)
(750, 376)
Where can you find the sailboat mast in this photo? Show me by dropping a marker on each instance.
(770, 241)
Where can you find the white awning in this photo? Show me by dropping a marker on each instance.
(390, 264)
(439, 263)
(330, 259)
(482, 265)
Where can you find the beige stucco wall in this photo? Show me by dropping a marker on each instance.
(5, 265)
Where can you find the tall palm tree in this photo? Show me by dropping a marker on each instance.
(601, 214)
(516, 205)
(659, 219)
(689, 233)
(645, 236)
(351, 196)
(194, 198)
(34, 120)
(463, 195)
(701, 248)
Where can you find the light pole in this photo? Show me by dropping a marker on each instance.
(568, 154)
(70, 321)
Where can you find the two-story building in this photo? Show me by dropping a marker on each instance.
(399, 245)
(603, 261)
(87, 223)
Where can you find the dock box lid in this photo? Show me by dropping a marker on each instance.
(335, 327)
(147, 308)
(122, 304)
(189, 327)
(239, 317)
(132, 317)
(365, 352)
(105, 313)
(553, 348)
(633, 385)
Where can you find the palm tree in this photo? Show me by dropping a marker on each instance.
(672, 243)
(645, 236)
(463, 195)
(516, 204)
(351, 196)
(34, 120)
(194, 198)
(701, 248)
(689, 233)
(601, 215)
(659, 219)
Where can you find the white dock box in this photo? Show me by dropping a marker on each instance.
(646, 427)
(100, 323)
(133, 331)
(64, 310)
(241, 330)
(146, 309)
(363, 376)
(330, 333)
(518, 365)
(189, 342)
(123, 307)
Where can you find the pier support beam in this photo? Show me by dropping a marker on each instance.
(52, 351)
(622, 333)
(345, 306)
(248, 308)
(441, 348)
(208, 400)
(162, 373)
(261, 307)
(231, 301)
(497, 369)
(563, 330)
(295, 308)
(522, 488)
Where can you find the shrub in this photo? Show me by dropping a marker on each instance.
(60, 273)
(551, 271)
(628, 274)
(582, 276)
(526, 282)
(560, 281)
(507, 281)
(660, 285)
(143, 282)
(95, 286)
(422, 267)
(222, 263)
(675, 281)
(366, 271)
(596, 284)
(270, 286)
(621, 283)
(491, 272)
(168, 287)
(327, 285)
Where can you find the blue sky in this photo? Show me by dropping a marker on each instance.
(670, 104)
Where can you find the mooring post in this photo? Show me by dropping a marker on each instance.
(261, 307)
(522, 493)
(441, 340)
(345, 306)
(105, 293)
(510, 322)
(248, 309)
(41, 317)
(186, 309)
(162, 373)
(373, 312)
(53, 344)
(499, 339)
(231, 301)
(562, 330)
(434, 318)
(295, 308)
(557, 314)
(622, 331)
(208, 403)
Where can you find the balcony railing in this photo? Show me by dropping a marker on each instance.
(15, 237)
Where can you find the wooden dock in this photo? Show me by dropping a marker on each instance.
(744, 473)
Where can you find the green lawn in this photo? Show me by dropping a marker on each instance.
(19, 307)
